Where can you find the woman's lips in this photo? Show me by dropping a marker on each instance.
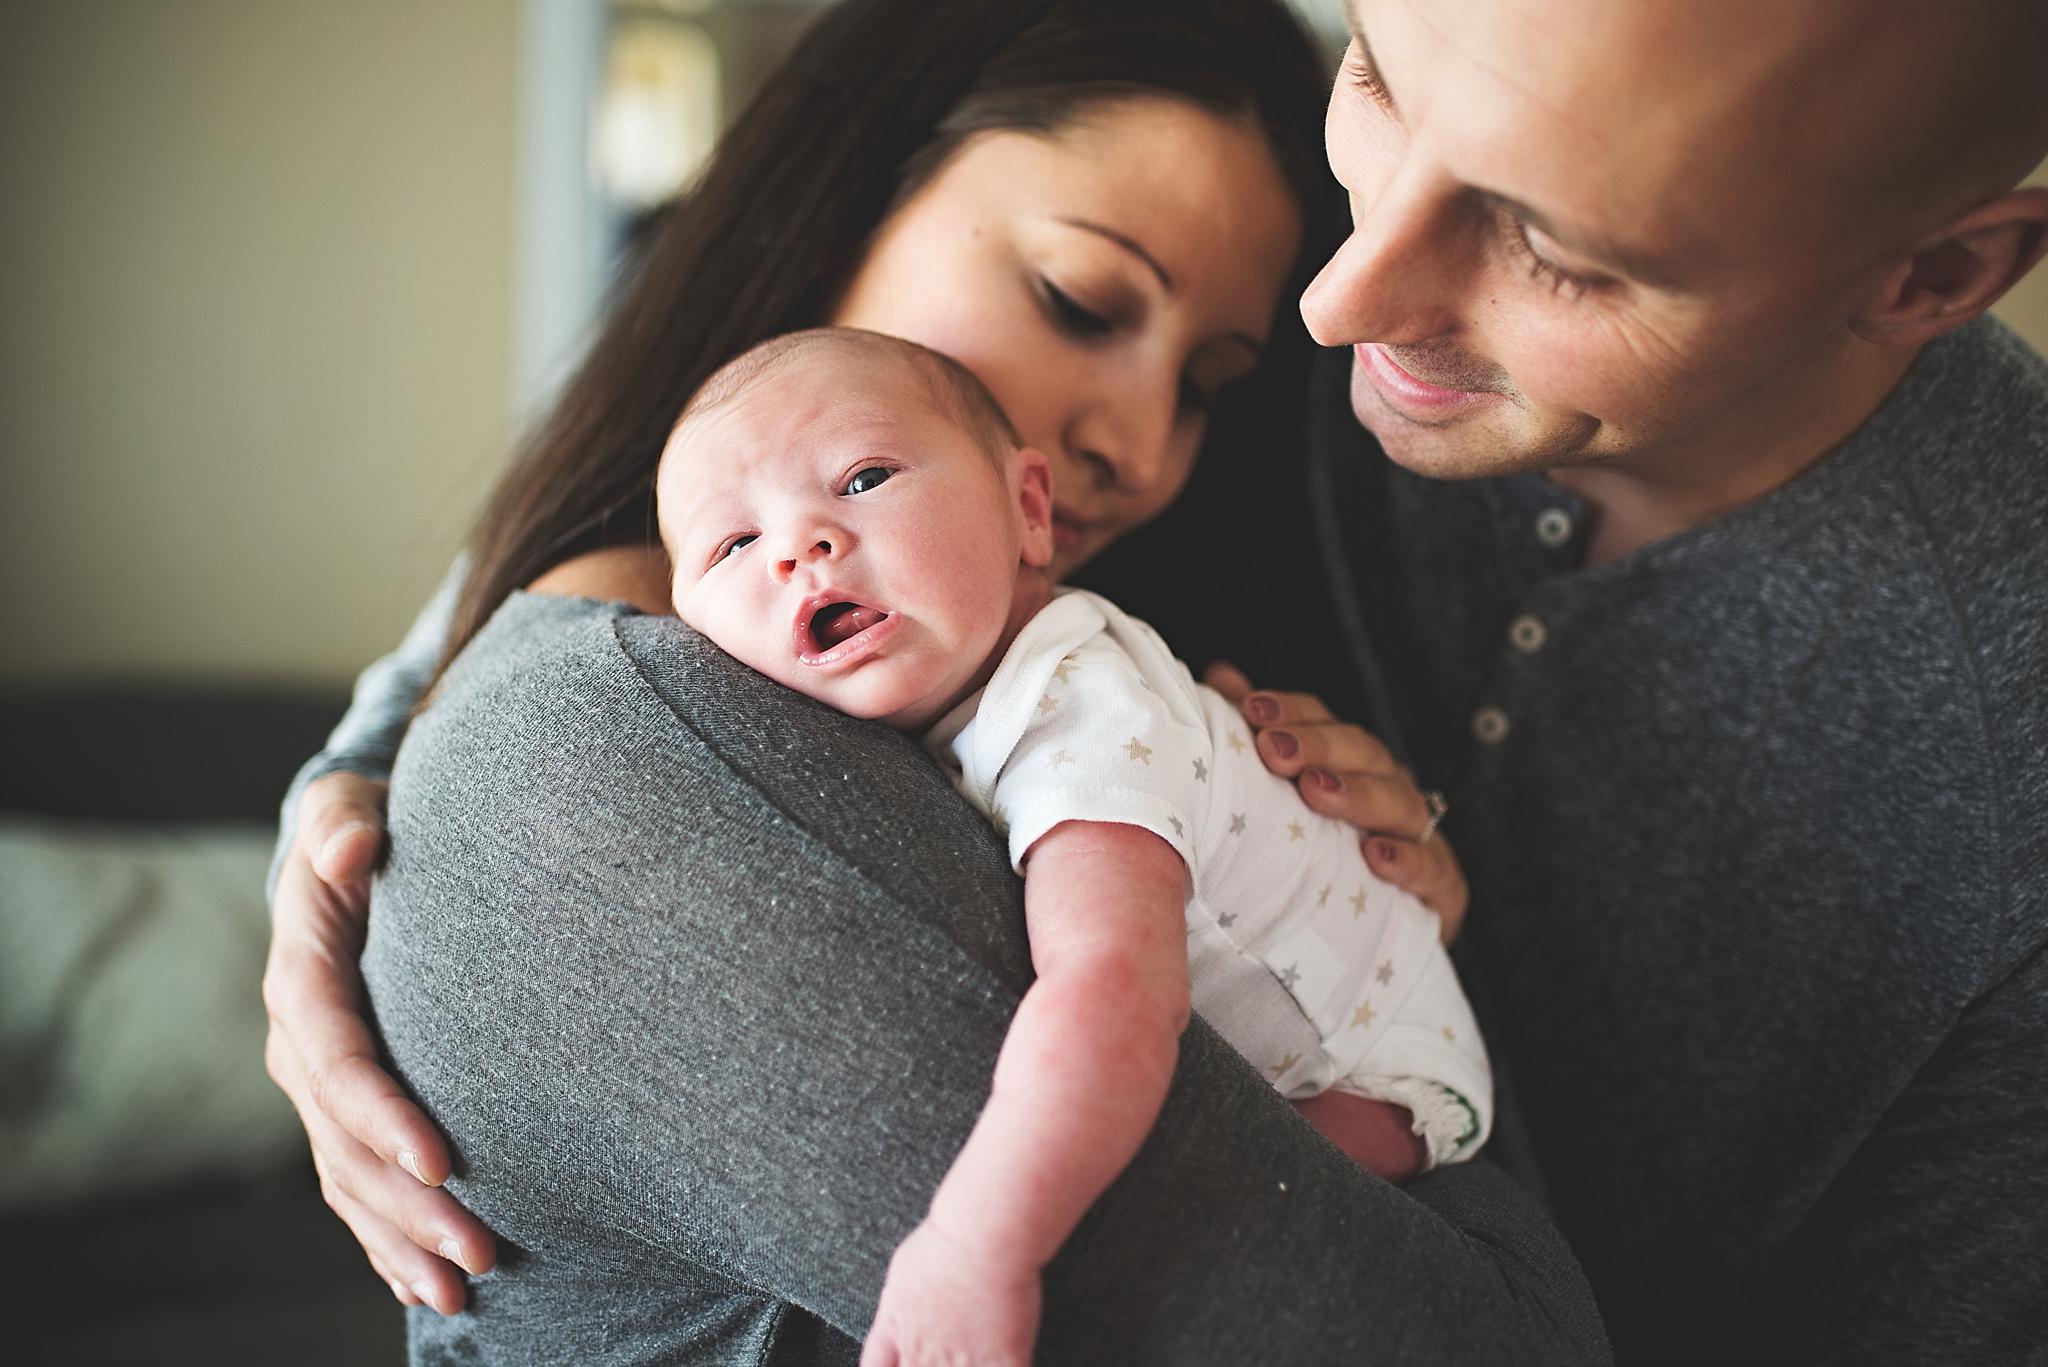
(1411, 396)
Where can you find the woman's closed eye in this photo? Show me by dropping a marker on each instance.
(1069, 315)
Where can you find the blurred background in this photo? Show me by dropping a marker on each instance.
(282, 280)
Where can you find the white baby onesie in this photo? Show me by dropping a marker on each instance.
(1315, 970)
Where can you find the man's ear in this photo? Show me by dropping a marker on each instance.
(1956, 273)
(1034, 501)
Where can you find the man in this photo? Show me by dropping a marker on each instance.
(1708, 578)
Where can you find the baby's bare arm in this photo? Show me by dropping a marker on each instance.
(1083, 1071)
(1091, 1052)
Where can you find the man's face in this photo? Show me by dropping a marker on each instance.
(832, 529)
(1587, 232)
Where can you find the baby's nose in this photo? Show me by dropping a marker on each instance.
(823, 546)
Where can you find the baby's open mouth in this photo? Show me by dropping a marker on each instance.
(834, 623)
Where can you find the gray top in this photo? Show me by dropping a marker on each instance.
(706, 983)
(1757, 826)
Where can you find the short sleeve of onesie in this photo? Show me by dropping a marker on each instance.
(1068, 729)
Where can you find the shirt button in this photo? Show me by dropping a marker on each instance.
(1490, 725)
(1553, 527)
(1528, 633)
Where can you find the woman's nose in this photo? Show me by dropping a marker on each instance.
(1124, 438)
(1396, 279)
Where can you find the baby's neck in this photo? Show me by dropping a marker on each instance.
(1027, 600)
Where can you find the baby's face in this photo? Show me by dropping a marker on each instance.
(834, 530)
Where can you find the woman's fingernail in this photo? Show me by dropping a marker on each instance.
(1262, 708)
(1326, 780)
(1386, 852)
(334, 842)
(425, 1299)
(1284, 744)
(410, 1161)
(400, 1292)
(452, 1251)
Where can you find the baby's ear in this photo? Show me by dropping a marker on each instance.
(1034, 503)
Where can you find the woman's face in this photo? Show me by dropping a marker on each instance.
(1105, 282)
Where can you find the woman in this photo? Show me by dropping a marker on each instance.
(766, 1017)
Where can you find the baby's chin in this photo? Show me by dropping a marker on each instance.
(879, 691)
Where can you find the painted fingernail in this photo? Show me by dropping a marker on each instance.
(410, 1161)
(1326, 780)
(1284, 744)
(1386, 851)
(1262, 708)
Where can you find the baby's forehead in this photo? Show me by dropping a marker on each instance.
(818, 406)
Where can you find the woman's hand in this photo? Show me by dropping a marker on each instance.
(366, 1135)
(1345, 773)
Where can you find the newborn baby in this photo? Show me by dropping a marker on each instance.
(853, 516)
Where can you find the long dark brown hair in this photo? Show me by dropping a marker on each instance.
(867, 107)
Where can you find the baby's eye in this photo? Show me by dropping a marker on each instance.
(729, 547)
(874, 476)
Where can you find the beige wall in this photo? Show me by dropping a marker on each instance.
(255, 265)
(2026, 308)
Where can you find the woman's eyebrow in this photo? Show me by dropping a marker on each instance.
(1129, 244)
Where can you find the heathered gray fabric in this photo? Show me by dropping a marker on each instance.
(366, 739)
(1760, 868)
(706, 983)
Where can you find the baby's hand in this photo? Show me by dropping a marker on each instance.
(944, 1305)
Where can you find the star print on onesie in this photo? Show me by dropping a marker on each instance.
(1315, 970)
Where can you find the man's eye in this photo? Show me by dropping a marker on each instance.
(729, 547)
(872, 477)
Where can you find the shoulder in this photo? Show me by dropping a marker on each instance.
(1954, 542)
(582, 748)
(1963, 446)
(579, 708)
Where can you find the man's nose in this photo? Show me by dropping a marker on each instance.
(1399, 277)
